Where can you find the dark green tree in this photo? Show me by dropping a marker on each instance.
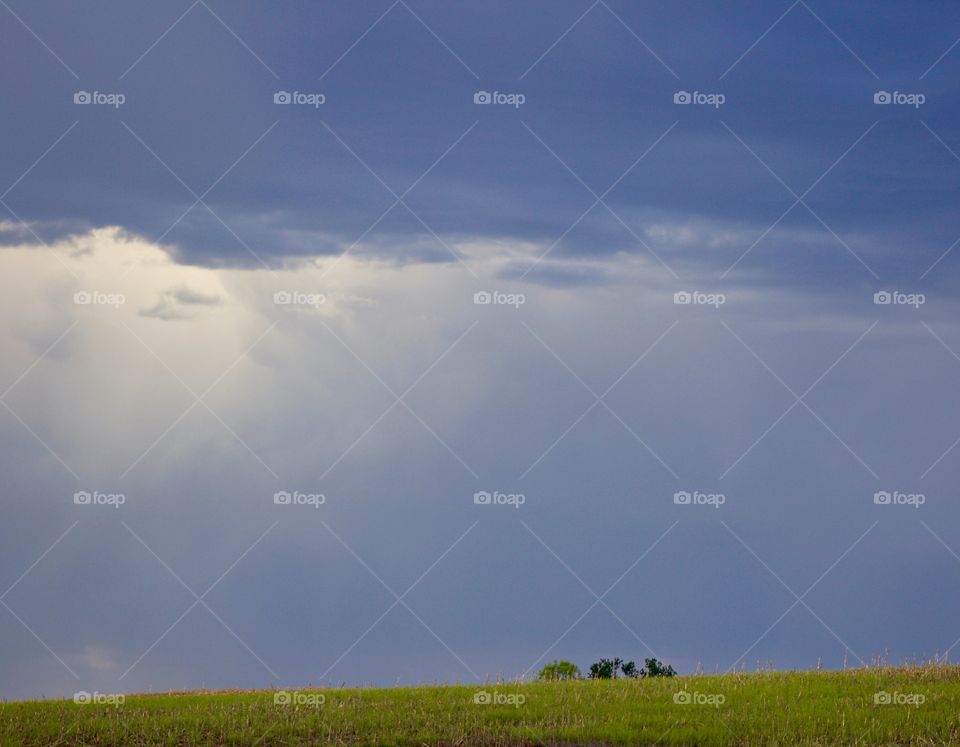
(605, 669)
(654, 668)
(560, 670)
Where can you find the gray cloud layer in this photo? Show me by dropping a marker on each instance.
(301, 411)
(179, 379)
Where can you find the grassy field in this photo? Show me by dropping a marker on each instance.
(895, 706)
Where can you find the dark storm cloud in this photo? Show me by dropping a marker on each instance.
(308, 179)
(599, 398)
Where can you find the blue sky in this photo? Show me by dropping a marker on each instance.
(184, 198)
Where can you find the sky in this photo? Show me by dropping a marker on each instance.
(404, 342)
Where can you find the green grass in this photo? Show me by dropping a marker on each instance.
(774, 708)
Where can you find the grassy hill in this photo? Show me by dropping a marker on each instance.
(902, 706)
